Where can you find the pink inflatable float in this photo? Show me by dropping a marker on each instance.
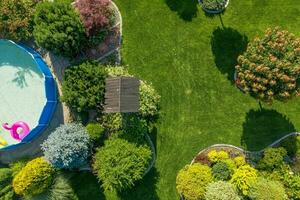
(18, 130)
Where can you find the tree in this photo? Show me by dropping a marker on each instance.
(119, 164)
(67, 147)
(58, 28)
(270, 67)
(267, 190)
(95, 15)
(192, 180)
(243, 178)
(221, 190)
(16, 19)
(84, 86)
(34, 178)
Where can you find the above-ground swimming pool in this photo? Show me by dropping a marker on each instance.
(27, 94)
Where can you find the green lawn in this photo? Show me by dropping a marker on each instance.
(190, 58)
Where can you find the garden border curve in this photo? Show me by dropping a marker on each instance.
(245, 152)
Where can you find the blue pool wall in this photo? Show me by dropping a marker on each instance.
(51, 95)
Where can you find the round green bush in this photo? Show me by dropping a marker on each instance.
(270, 67)
(58, 28)
(267, 190)
(272, 158)
(214, 4)
(221, 171)
(84, 86)
(34, 178)
(16, 19)
(192, 180)
(67, 147)
(96, 131)
(221, 190)
(119, 164)
(244, 178)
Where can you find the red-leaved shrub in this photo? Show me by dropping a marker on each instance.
(95, 15)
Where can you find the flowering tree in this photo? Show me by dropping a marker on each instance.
(270, 67)
(95, 15)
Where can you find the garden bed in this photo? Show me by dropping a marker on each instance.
(213, 11)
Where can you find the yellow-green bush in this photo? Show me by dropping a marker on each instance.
(239, 161)
(243, 178)
(34, 178)
(215, 156)
(192, 181)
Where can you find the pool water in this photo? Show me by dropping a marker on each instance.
(22, 88)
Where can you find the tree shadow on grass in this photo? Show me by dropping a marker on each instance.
(263, 127)
(186, 9)
(227, 44)
(145, 189)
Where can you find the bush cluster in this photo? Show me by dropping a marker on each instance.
(272, 158)
(270, 67)
(216, 156)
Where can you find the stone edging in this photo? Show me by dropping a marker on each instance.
(120, 24)
(235, 79)
(153, 155)
(213, 11)
(245, 152)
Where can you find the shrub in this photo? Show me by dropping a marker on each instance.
(95, 15)
(17, 166)
(270, 67)
(272, 158)
(230, 163)
(292, 186)
(243, 178)
(214, 4)
(119, 164)
(58, 28)
(6, 190)
(34, 178)
(67, 147)
(149, 98)
(239, 161)
(113, 122)
(62, 189)
(95, 131)
(83, 87)
(221, 191)
(267, 190)
(16, 19)
(215, 156)
(192, 180)
(292, 145)
(134, 129)
(221, 171)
